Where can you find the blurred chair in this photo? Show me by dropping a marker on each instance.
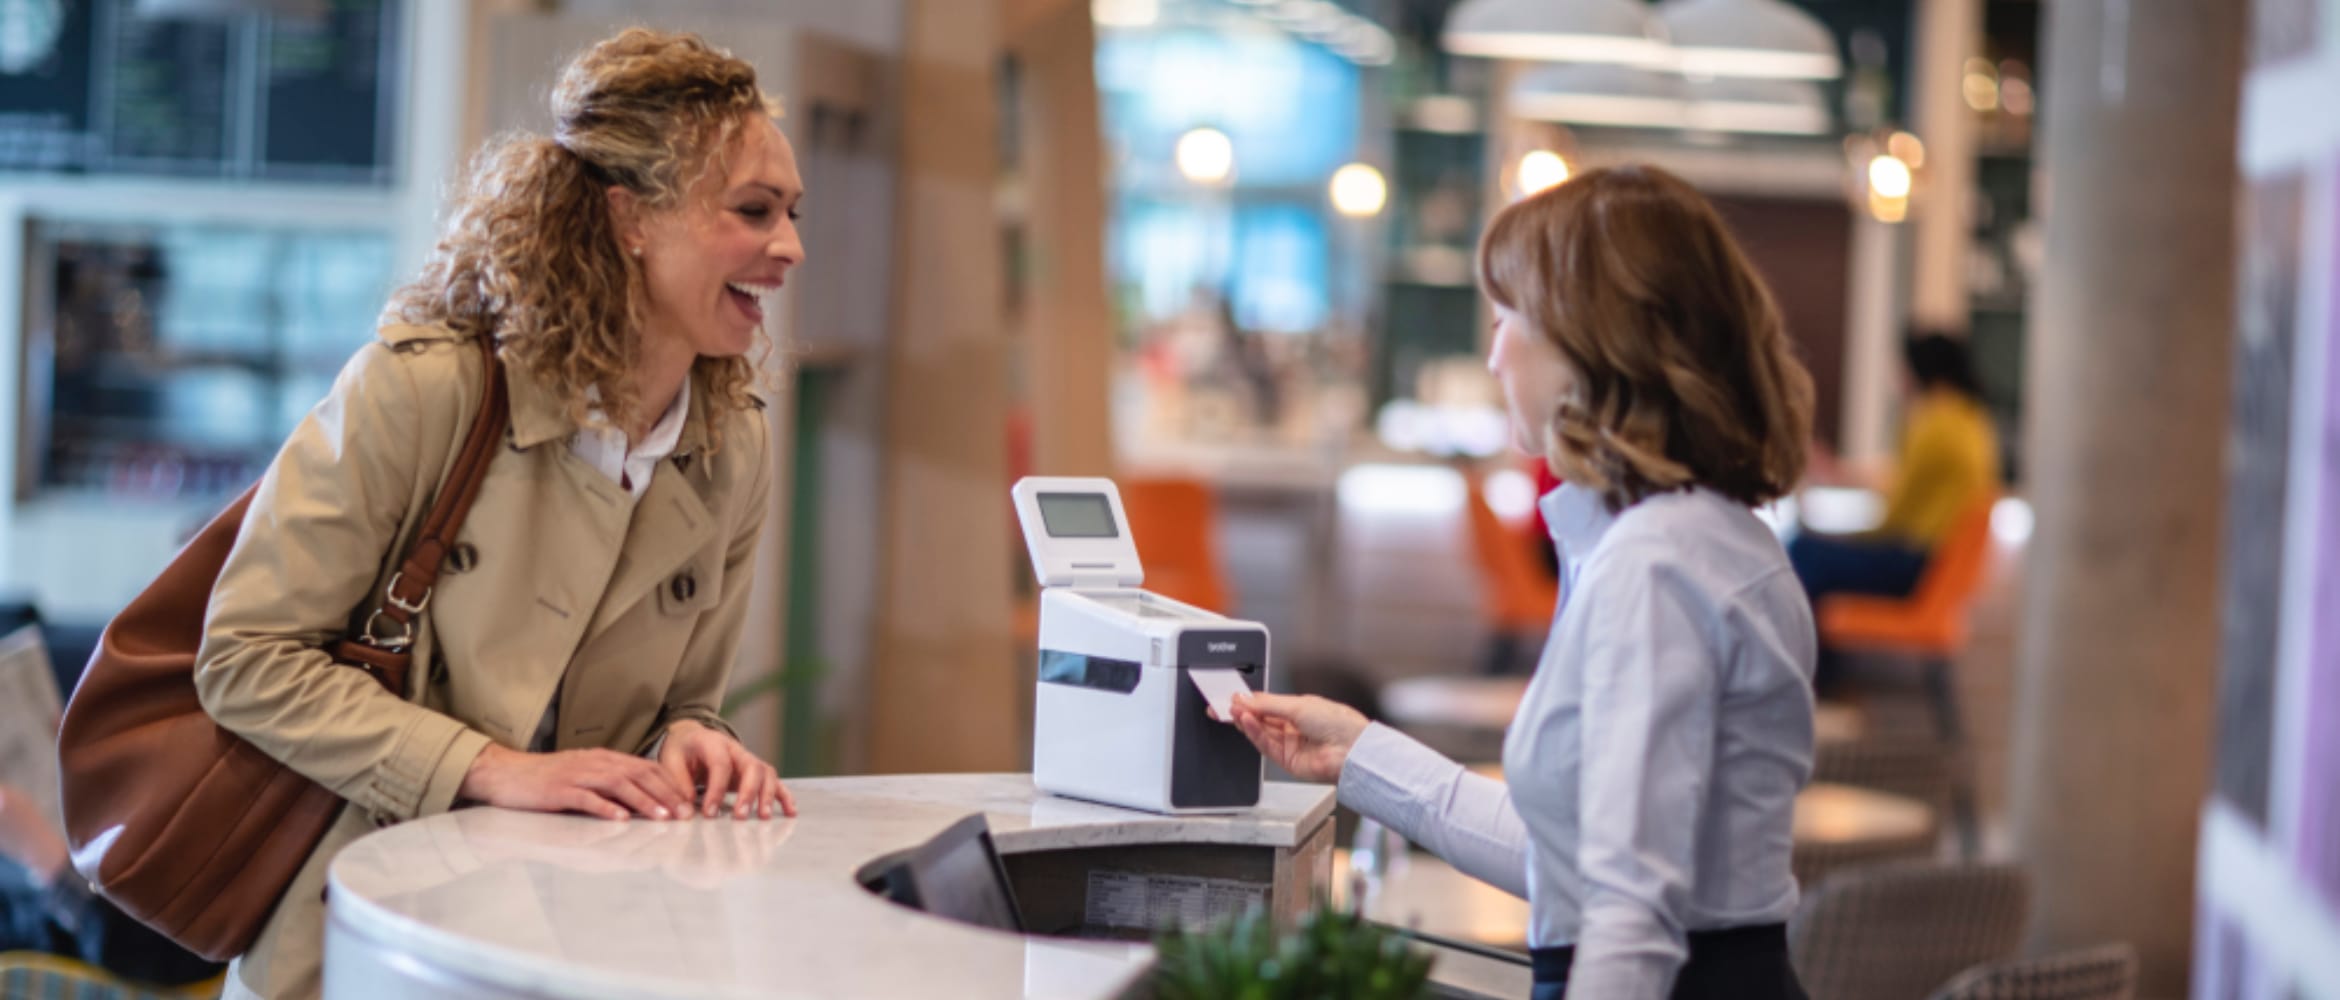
(39, 974)
(1897, 931)
(1176, 521)
(1517, 596)
(1841, 825)
(1918, 766)
(2105, 972)
(1814, 863)
(1929, 628)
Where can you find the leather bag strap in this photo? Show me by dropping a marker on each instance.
(409, 589)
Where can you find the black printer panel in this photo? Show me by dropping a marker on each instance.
(1212, 766)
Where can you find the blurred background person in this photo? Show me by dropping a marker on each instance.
(1947, 461)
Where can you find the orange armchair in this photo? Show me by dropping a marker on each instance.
(1930, 626)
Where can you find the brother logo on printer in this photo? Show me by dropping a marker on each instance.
(1221, 647)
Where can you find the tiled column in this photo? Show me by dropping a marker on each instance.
(944, 693)
(1068, 322)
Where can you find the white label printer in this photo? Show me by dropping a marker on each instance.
(1116, 718)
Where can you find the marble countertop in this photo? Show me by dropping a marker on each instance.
(578, 907)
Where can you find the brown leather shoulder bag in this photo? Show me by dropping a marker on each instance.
(179, 822)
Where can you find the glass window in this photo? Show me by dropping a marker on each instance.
(172, 361)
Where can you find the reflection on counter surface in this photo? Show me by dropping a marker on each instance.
(491, 903)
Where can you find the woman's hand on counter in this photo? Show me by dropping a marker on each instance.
(1304, 734)
(696, 755)
(602, 783)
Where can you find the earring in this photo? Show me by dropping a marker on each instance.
(637, 250)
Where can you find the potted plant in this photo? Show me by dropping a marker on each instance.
(1330, 953)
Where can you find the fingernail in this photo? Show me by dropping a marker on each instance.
(661, 813)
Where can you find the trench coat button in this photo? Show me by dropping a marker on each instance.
(682, 586)
(462, 558)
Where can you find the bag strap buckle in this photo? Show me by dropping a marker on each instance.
(398, 643)
(390, 595)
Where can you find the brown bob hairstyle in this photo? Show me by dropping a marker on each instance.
(1684, 373)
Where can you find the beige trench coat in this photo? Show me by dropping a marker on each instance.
(632, 610)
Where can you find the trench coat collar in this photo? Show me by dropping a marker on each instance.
(540, 415)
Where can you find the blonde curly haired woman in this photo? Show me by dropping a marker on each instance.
(1650, 775)
(582, 629)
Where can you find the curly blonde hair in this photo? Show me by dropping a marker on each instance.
(530, 255)
(1684, 372)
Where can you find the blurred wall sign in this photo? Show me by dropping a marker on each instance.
(302, 90)
(230, 8)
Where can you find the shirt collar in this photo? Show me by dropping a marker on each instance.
(1577, 517)
(668, 430)
(538, 415)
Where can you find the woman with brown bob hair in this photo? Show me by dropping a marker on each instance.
(1652, 769)
(582, 627)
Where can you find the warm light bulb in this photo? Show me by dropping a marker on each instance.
(1982, 92)
(2015, 96)
(1125, 13)
(1889, 177)
(1907, 148)
(1206, 156)
(1888, 209)
(1358, 191)
(1539, 170)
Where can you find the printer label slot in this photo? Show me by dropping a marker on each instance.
(1078, 670)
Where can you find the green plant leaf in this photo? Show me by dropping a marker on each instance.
(1328, 952)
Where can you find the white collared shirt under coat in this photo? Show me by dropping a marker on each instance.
(603, 445)
(1654, 762)
(560, 581)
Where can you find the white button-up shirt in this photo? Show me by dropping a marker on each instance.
(1653, 766)
(630, 464)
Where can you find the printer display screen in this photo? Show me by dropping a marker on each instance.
(1077, 515)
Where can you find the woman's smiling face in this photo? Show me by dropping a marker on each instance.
(712, 263)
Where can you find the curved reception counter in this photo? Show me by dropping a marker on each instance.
(488, 903)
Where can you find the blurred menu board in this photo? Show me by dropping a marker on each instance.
(164, 96)
(324, 109)
(45, 49)
(126, 86)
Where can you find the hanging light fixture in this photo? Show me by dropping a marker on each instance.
(1205, 156)
(1359, 191)
(1590, 94)
(1775, 107)
(1750, 38)
(1540, 169)
(1602, 31)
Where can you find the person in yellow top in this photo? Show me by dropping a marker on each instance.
(1949, 457)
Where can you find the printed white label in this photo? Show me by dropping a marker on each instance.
(1219, 687)
(1151, 902)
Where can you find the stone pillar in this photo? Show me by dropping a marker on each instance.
(944, 693)
(2130, 349)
